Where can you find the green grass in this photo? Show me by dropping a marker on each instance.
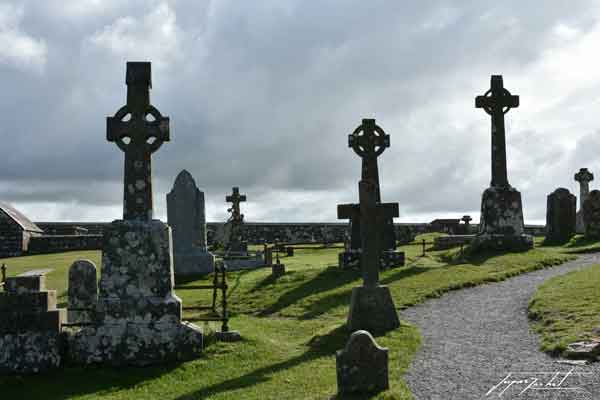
(566, 308)
(291, 326)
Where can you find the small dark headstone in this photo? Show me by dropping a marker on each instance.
(591, 215)
(560, 216)
(83, 291)
(362, 366)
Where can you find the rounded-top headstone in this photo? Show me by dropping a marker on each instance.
(362, 366)
(83, 291)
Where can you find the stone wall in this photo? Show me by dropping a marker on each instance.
(45, 244)
(72, 228)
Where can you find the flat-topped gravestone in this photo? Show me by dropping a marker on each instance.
(501, 224)
(138, 316)
(591, 215)
(30, 325)
(186, 217)
(362, 366)
(83, 292)
(560, 216)
(584, 177)
(369, 141)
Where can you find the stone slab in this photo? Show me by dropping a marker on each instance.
(193, 263)
(22, 322)
(372, 309)
(27, 302)
(31, 281)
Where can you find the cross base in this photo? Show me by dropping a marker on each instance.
(372, 309)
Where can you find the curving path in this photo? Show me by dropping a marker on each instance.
(473, 339)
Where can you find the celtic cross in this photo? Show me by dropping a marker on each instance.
(139, 130)
(497, 101)
(235, 198)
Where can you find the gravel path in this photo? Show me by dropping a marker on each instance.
(477, 345)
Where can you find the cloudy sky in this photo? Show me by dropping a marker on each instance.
(262, 95)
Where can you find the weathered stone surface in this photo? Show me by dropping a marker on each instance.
(138, 315)
(388, 259)
(83, 291)
(362, 366)
(584, 177)
(501, 226)
(372, 309)
(591, 215)
(501, 223)
(560, 216)
(234, 235)
(186, 217)
(587, 349)
(30, 325)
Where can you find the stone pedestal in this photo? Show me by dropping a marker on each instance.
(362, 366)
(138, 317)
(30, 325)
(501, 226)
(372, 309)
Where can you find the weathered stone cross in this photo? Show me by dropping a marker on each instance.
(496, 102)
(584, 177)
(139, 130)
(235, 198)
(372, 215)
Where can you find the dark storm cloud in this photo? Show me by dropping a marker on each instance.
(262, 95)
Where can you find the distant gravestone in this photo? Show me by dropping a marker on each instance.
(138, 316)
(591, 215)
(501, 226)
(186, 217)
(584, 177)
(83, 292)
(467, 224)
(362, 366)
(369, 141)
(30, 325)
(560, 216)
(234, 238)
(371, 306)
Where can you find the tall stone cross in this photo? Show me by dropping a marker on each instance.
(139, 130)
(496, 102)
(235, 198)
(584, 177)
(368, 141)
(372, 215)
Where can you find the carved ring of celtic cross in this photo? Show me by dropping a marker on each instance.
(505, 93)
(154, 132)
(369, 140)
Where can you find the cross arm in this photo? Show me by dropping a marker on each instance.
(388, 210)
(347, 211)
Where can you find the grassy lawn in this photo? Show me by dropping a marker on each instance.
(291, 326)
(566, 309)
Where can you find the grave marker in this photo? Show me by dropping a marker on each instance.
(584, 177)
(560, 216)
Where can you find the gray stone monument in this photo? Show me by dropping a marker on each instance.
(584, 177)
(371, 306)
(138, 317)
(186, 217)
(369, 141)
(362, 366)
(591, 215)
(501, 224)
(83, 292)
(234, 237)
(30, 325)
(560, 216)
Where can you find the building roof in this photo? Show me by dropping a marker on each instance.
(19, 218)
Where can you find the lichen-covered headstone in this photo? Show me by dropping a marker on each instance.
(138, 317)
(501, 224)
(186, 217)
(30, 325)
(560, 216)
(234, 237)
(591, 215)
(83, 292)
(584, 177)
(362, 366)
